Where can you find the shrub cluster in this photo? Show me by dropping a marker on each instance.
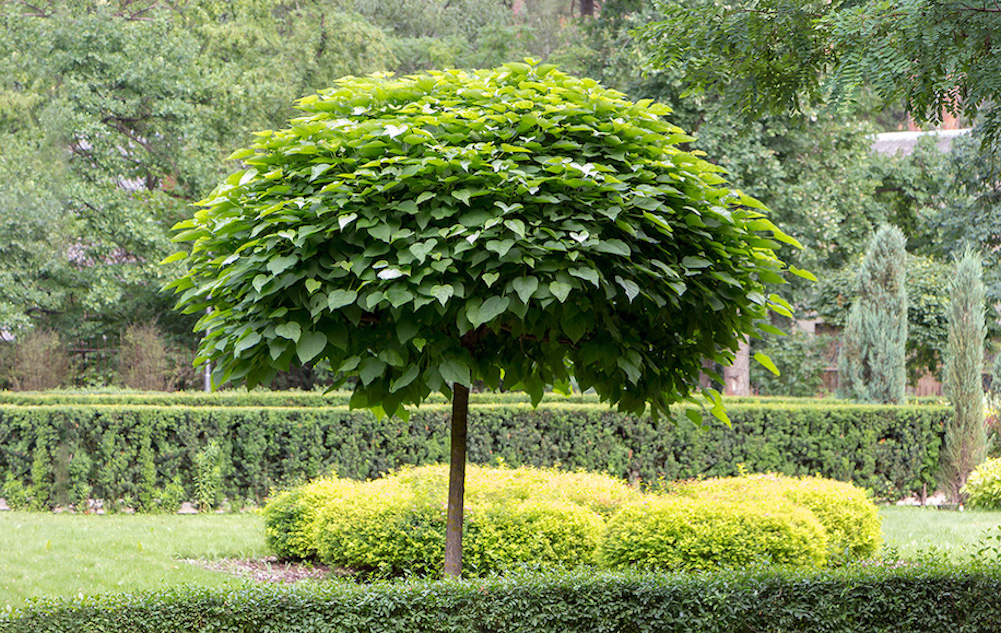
(62, 452)
(846, 600)
(396, 525)
(849, 518)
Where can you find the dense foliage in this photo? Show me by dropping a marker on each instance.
(849, 518)
(63, 453)
(396, 525)
(852, 600)
(443, 228)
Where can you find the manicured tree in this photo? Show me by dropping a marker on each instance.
(966, 435)
(514, 226)
(872, 362)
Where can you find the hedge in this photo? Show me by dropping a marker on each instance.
(61, 453)
(856, 600)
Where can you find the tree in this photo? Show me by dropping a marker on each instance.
(966, 434)
(873, 354)
(783, 55)
(515, 226)
(116, 116)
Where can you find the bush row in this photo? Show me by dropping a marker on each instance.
(916, 599)
(396, 525)
(63, 454)
(263, 398)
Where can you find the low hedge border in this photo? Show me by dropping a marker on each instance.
(110, 452)
(856, 600)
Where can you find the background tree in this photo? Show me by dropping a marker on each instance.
(872, 362)
(787, 55)
(966, 434)
(514, 226)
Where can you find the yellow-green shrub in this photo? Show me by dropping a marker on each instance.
(671, 532)
(848, 515)
(397, 524)
(983, 486)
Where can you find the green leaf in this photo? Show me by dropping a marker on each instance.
(420, 250)
(694, 415)
(766, 362)
(695, 262)
(370, 369)
(517, 227)
(340, 298)
(525, 287)
(281, 264)
(561, 290)
(310, 345)
(805, 274)
(631, 287)
(478, 314)
(345, 220)
(290, 330)
(588, 274)
(455, 372)
(443, 293)
(247, 342)
(490, 278)
(404, 380)
(174, 258)
(501, 247)
(259, 282)
(613, 246)
(312, 285)
(462, 195)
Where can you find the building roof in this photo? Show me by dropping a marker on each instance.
(891, 143)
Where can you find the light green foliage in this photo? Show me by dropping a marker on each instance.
(849, 517)
(680, 533)
(983, 486)
(872, 359)
(396, 524)
(966, 434)
(452, 227)
(786, 55)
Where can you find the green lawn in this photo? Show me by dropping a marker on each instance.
(66, 555)
(912, 531)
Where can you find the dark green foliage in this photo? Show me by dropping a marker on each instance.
(966, 434)
(890, 450)
(801, 359)
(440, 229)
(927, 284)
(873, 349)
(915, 599)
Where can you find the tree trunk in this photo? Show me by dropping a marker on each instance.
(587, 7)
(738, 374)
(456, 481)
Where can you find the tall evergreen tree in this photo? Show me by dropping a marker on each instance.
(966, 435)
(874, 348)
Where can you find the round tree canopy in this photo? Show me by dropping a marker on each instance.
(517, 226)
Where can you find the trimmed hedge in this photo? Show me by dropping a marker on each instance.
(59, 453)
(915, 599)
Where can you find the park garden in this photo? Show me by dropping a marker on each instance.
(510, 253)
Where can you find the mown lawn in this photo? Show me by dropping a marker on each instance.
(65, 555)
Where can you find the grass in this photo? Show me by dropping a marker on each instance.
(59, 555)
(915, 532)
(66, 555)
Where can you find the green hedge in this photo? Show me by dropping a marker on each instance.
(60, 453)
(853, 600)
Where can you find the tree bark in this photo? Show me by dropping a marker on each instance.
(587, 7)
(456, 481)
(738, 375)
